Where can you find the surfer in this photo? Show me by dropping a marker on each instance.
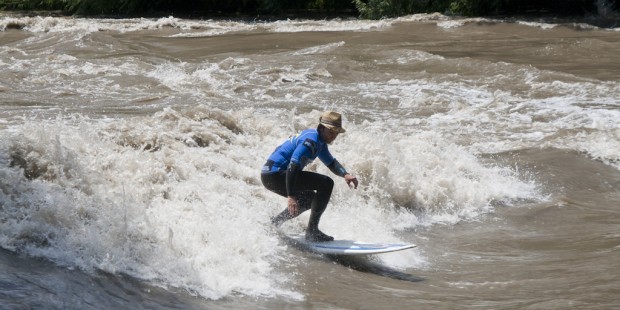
(283, 173)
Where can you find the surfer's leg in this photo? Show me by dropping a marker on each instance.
(323, 186)
(304, 199)
(307, 184)
(276, 182)
(281, 218)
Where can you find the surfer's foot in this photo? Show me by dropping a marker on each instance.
(316, 235)
(277, 221)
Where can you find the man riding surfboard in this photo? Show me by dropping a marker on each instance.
(283, 173)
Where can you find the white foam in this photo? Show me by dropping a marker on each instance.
(208, 28)
(423, 17)
(448, 24)
(181, 216)
(320, 49)
(327, 25)
(174, 197)
(537, 24)
(186, 28)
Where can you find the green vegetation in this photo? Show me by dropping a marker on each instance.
(372, 9)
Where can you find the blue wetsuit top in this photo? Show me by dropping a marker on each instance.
(301, 150)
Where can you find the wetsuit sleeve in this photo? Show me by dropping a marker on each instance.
(305, 152)
(337, 168)
(307, 149)
(292, 173)
(326, 157)
(298, 160)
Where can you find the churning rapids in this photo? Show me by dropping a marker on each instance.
(130, 155)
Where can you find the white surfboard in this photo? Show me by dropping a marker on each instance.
(347, 247)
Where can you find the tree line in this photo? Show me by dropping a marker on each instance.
(369, 9)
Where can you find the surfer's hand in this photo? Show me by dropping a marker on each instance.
(293, 206)
(351, 179)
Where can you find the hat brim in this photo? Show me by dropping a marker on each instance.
(334, 128)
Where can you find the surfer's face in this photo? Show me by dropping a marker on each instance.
(328, 135)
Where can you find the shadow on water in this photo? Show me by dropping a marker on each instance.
(365, 263)
(31, 283)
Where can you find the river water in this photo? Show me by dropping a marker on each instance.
(130, 155)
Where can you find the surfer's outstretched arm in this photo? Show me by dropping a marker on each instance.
(339, 170)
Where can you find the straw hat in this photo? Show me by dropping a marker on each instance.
(333, 121)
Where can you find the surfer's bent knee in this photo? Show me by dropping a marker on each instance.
(327, 183)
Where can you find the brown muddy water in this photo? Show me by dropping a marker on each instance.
(130, 155)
